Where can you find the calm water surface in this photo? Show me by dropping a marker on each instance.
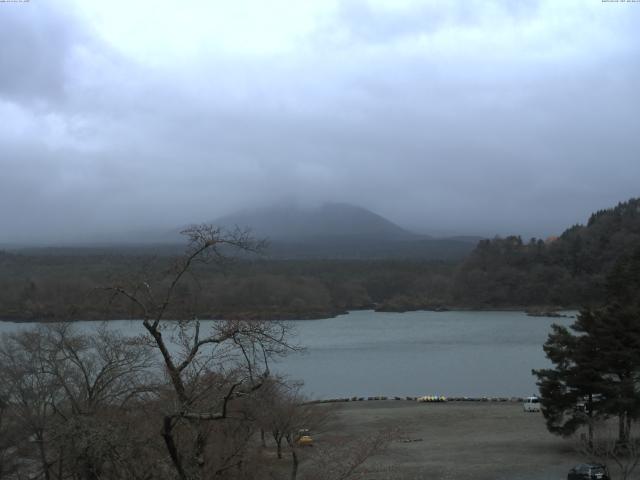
(366, 353)
(449, 353)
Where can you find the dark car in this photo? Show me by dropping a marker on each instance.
(589, 471)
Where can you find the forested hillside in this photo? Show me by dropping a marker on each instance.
(569, 270)
(50, 287)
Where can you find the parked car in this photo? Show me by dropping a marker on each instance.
(531, 404)
(589, 471)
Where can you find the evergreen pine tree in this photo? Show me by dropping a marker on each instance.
(598, 362)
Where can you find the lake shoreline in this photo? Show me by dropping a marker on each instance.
(530, 310)
(420, 399)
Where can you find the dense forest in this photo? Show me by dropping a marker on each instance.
(567, 271)
(54, 286)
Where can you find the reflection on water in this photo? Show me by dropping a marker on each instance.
(447, 353)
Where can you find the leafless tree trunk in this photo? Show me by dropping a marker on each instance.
(295, 462)
(278, 436)
(211, 371)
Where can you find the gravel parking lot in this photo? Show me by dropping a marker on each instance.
(457, 440)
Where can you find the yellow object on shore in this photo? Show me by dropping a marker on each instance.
(305, 441)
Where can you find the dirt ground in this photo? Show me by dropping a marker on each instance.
(457, 440)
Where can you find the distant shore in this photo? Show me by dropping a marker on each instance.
(560, 312)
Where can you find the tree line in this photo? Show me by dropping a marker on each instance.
(50, 287)
(570, 270)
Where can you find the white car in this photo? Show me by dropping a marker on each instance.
(531, 404)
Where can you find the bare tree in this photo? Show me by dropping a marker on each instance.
(213, 373)
(285, 413)
(68, 392)
(99, 376)
(346, 459)
(9, 436)
(303, 417)
(29, 394)
(606, 448)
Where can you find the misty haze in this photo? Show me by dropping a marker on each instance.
(323, 240)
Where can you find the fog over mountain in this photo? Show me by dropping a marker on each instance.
(292, 223)
(340, 230)
(446, 118)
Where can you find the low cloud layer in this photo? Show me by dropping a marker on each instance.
(474, 118)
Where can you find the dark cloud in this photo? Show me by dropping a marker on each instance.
(476, 118)
(37, 41)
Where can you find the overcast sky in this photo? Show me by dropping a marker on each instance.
(469, 117)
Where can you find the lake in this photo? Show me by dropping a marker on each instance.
(453, 353)
(366, 353)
